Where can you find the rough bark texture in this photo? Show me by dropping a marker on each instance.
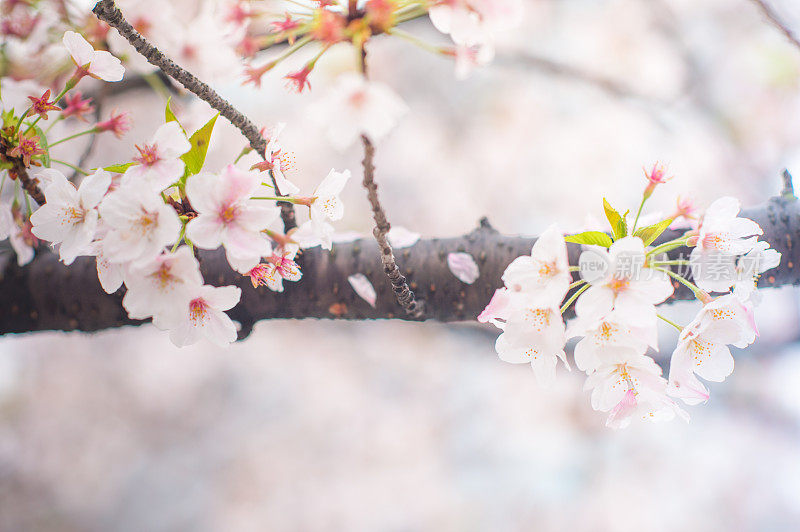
(46, 295)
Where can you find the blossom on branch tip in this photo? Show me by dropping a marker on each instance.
(96, 63)
(228, 217)
(534, 335)
(27, 147)
(159, 164)
(70, 216)
(161, 287)
(77, 106)
(203, 316)
(118, 123)
(41, 105)
(139, 224)
(544, 274)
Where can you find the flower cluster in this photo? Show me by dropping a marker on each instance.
(622, 280)
(144, 220)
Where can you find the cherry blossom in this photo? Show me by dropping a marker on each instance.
(544, 274)
(627, 287)
(750, 265)
(278, 268)
(203, 316)
(605, 337)
(158, 287)
(228, 217)
(96, 63)
(276, 161)
(355, 107)
(630, 385)
(110, 274)
(327, 205)
(139, 224)
(534, 335)
(70, 216)
(158, 163)
(471, 22)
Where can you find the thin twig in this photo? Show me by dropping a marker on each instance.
(20, 172)
(776, 21)
(107, 11)
(399, 284)
(405, 296)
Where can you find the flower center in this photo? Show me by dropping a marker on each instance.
(148, 155)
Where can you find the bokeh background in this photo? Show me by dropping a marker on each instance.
(391, 426)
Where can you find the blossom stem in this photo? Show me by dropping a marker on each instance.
(688, 284)
(680, 329)
(413, 39)
(76, 135)
(58, 119)
(573, 297)
(65, 163)
(671, 263)
(668, 246)
(180, 236)
(638, 214)
(277, 198)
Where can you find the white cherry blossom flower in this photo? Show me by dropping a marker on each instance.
(277, 161)
(627, 286)
(326, 205)
(70, 216)
(472, 22)
(722, 236)
(631, 386)
(110, 274)
(159, 163)
(752, 264)
(228, 217)
(606, 337)
(726, 319)
(544, 274)
(162, 287)
(203, 316)
(310, 235)
(96, 63)
(534, 335)
(355, 107)
(139, 224)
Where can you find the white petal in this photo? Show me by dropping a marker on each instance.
(363, 288)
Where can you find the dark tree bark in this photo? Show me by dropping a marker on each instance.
(46, 295)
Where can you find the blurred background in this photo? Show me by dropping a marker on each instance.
(391, 426)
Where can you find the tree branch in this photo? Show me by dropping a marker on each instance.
(46, 295)
(108, 12)
(773, 18)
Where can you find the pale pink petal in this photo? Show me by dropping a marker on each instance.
(463, 266)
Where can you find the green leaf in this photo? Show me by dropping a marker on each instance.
(43, 144)
(592, 238)
(169, 116)
(118, 168)
(196, 156)
(618, 225)
(651, 232)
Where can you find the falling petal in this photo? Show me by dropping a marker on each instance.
(400, 237)
(463, 266)
(363, 288)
